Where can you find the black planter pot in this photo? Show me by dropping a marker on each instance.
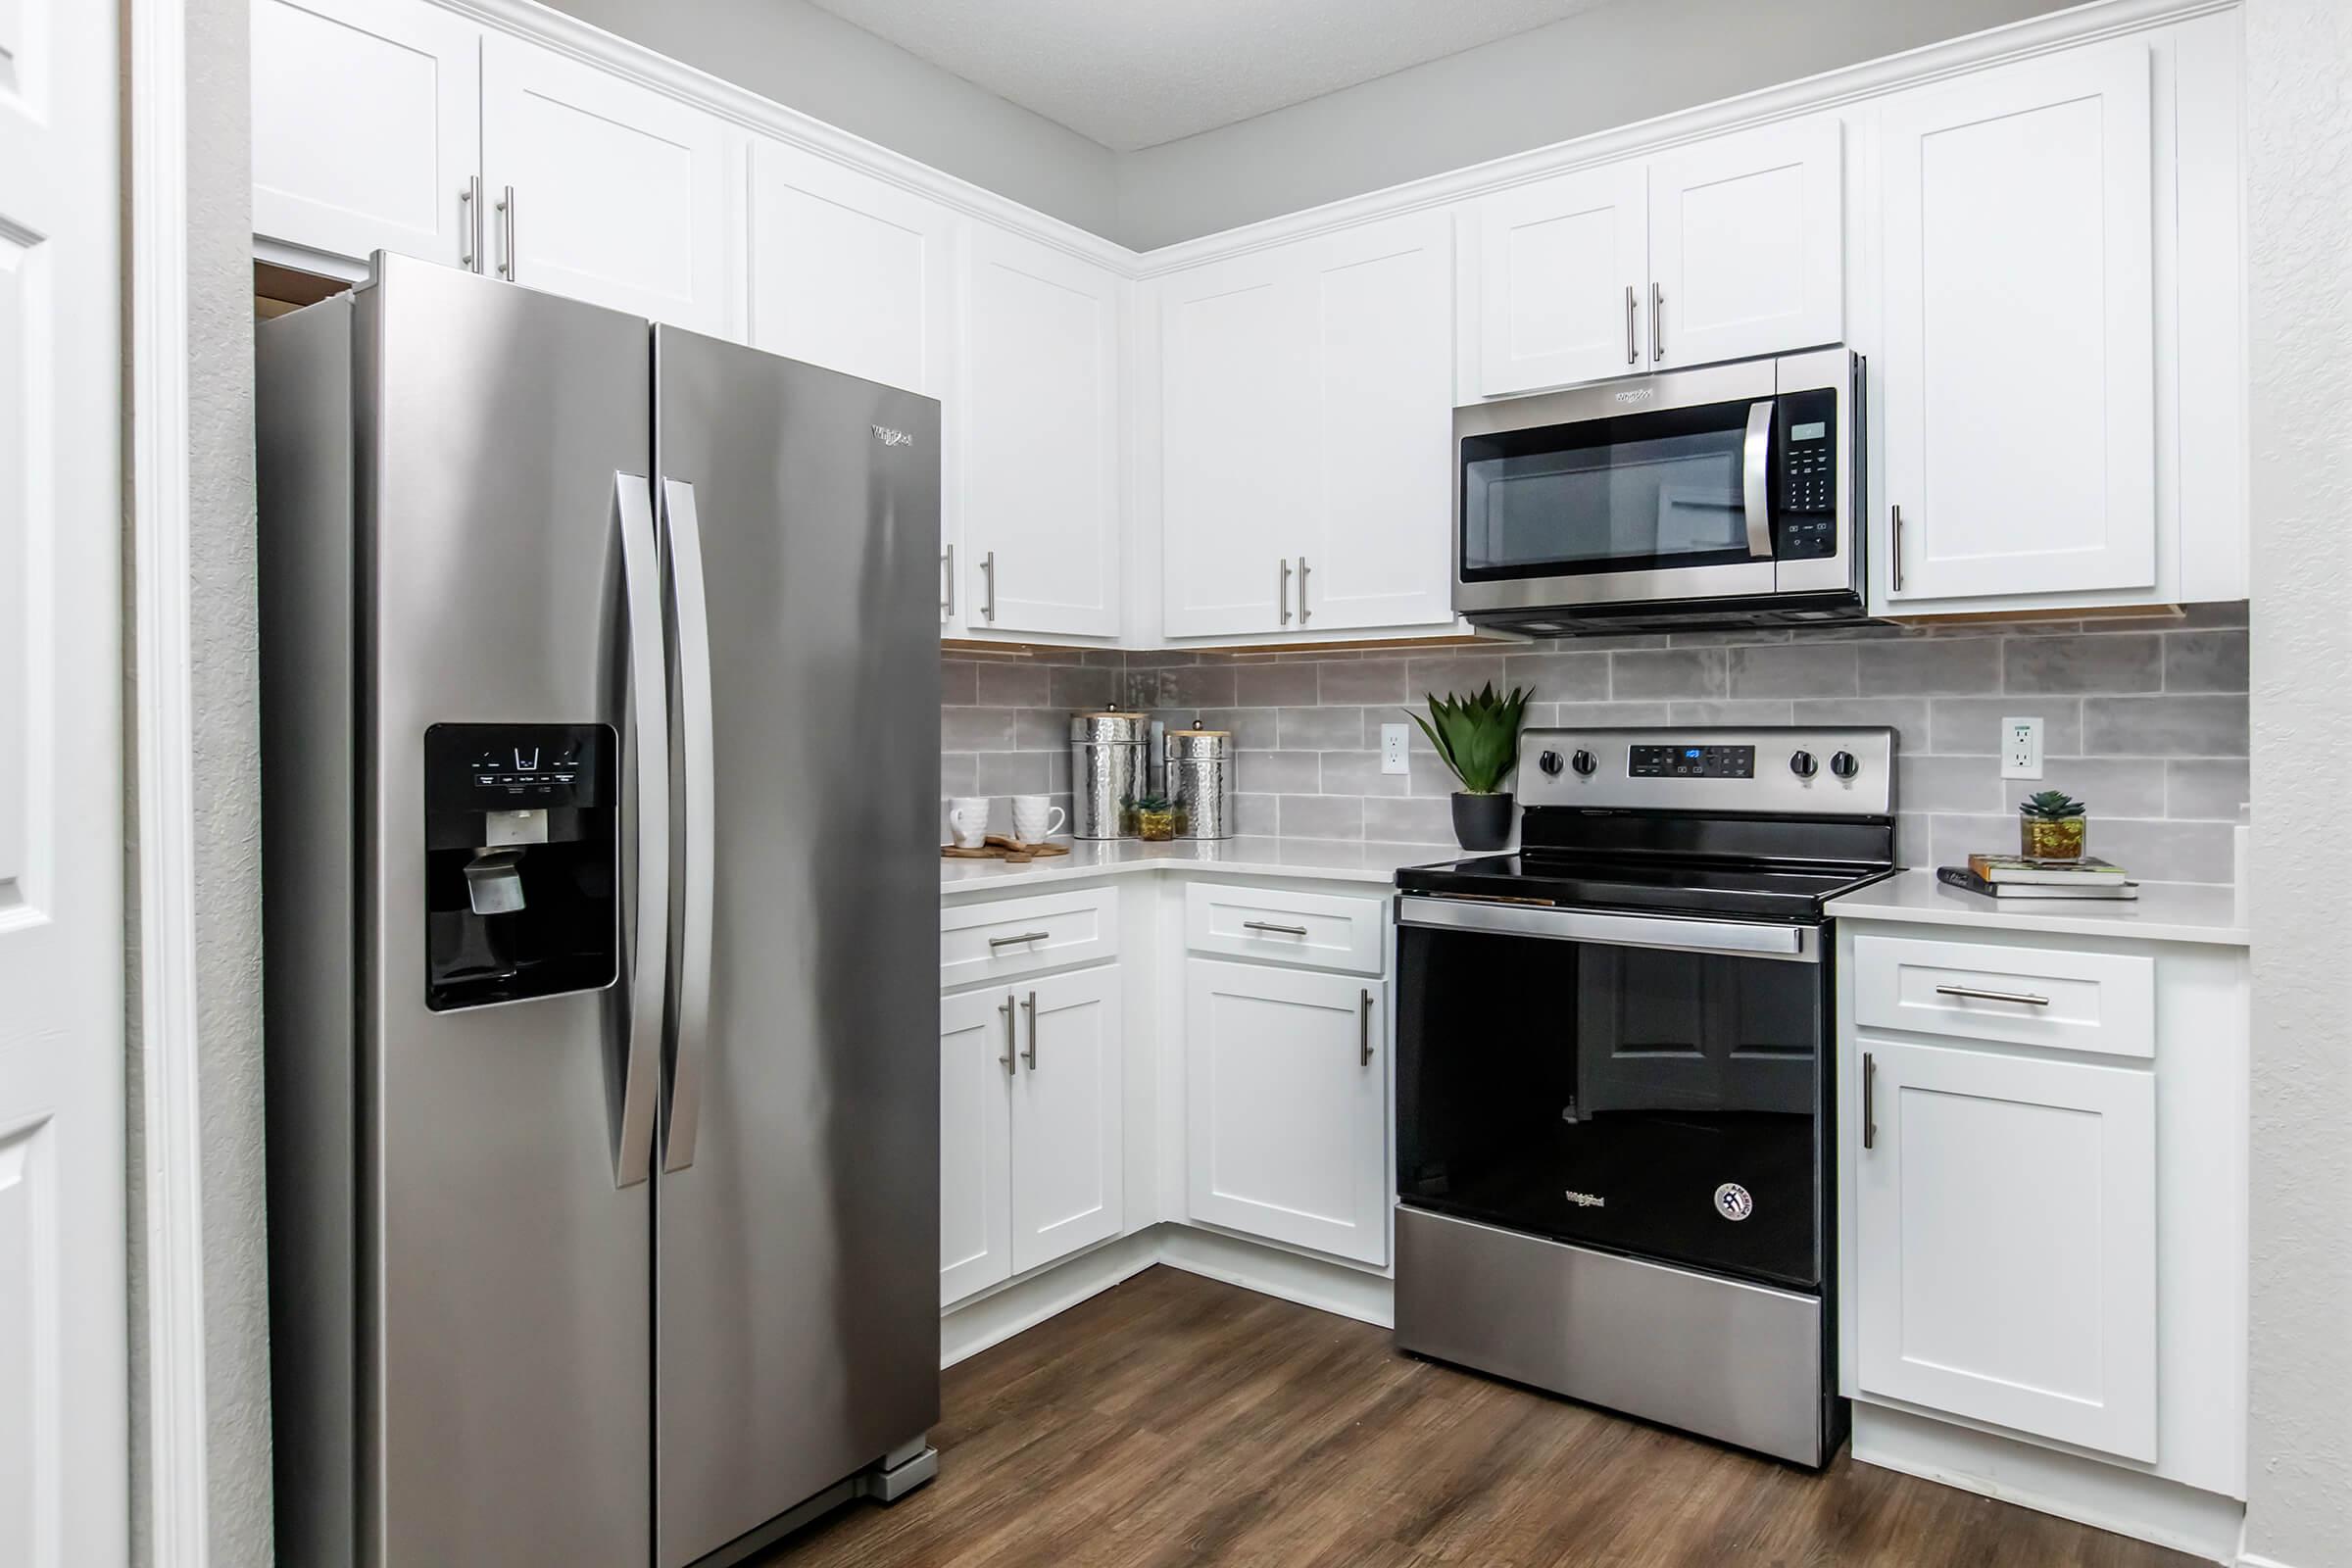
(1482, 822)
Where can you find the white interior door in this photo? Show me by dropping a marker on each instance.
(1378, 306)
(367, 126)
(2020, 333)
(1040, 372)
(976, 1061)
(1748, 244)
(1563, 280)
(1067, 1115)
(64, 1318)
(620, 193)
(2006, 1242)
(1285, 1102)
(1234, 496)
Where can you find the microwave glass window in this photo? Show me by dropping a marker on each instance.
(1622, 495)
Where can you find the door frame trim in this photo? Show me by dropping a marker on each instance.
(171, 1178)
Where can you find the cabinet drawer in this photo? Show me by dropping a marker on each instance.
(1310, 930)
(2095, 1001)
(1007, 937)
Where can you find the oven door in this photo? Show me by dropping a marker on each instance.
(1651, 1084)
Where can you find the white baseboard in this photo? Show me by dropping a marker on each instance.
(1010, 1309)
(2105, 1497)
(1273, 1272)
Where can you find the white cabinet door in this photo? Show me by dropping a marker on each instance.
(620, 194)
(1234, 496)
(1067, 1117)
(367, 126)
(1747, 244)
(975, 1110)
(1285, 1127)
(2006, 1240)
(1378, 416)
(1564, 275)
(2017, 362)
(1040, 378)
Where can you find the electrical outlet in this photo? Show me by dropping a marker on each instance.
(1392, 749)
(2021, 748)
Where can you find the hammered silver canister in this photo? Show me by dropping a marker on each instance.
(1110, 767)
(1201, 782)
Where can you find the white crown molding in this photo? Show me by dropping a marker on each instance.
(157, 274)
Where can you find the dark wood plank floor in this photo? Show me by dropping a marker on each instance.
(1176, 1420)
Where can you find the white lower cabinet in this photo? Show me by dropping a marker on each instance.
(2006, 1240)
(1030, 1111)
(1285, 1076)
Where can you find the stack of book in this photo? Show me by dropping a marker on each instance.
(2013, 876)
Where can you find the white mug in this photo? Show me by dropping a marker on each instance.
(967, 819)
(1036, 818)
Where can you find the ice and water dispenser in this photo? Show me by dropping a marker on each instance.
(521, 861)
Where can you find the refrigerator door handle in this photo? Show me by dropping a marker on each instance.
(648, 701)
(685, 539)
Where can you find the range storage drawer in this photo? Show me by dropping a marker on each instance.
(1002, 938)
(1306, 930)
(2074, 1001)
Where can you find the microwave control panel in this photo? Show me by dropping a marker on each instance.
(1805, 510)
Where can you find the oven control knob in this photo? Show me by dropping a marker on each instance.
(1802, 765)
(1844, 766)
(1583, 763)
(1549, 762)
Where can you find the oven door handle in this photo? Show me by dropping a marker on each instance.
(1793, 944)
(1755, 490)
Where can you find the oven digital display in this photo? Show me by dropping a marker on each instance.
(1691, 761)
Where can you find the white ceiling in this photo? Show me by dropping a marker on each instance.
(1132, 75)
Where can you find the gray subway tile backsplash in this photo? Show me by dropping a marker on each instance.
(2143, 717)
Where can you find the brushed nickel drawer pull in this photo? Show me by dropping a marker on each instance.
(1363, 1029)
(1029, 1007)
(2024, 998)
(1870, 1100)
(1273, 929)
(1015, 942)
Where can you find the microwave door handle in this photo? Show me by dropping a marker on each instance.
(1754, 473)
(648, 701)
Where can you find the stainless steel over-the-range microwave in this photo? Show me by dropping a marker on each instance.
(1724, 496)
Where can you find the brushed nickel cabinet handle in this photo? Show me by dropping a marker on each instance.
(469, 225)
(1657, 321)
(1633, 349)
(1285, 590)
(946, 568)
(1029, 1007)
(511, 265)
(1016, 941)
(1305, 614)
(1894, 563)
(1363, 1028)
(1006, 1012)
(988, 575)
(1870, 1100)
(1971, 993)
(1270, 926)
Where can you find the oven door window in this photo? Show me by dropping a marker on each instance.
(1662, 1104)
(1640, 492)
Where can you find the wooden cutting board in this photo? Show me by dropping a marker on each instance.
(997, 846)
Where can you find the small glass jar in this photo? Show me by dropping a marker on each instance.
(1155, 827)
(2051, 838)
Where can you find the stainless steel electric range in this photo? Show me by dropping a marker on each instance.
(1614, 1077)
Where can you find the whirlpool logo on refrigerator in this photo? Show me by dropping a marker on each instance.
(892, 438)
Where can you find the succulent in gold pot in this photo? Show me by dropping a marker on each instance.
(1154, 818)
(2051, 826)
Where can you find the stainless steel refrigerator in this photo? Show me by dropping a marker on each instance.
(600, 678)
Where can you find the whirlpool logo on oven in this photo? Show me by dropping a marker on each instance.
(1585, 1200)
(892, 438)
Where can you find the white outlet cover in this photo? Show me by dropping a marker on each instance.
(1392, 743)
(2021, 748)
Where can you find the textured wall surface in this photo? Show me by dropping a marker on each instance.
(2145, 719)
(2299, 230)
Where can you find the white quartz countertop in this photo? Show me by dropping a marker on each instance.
(1316, 860)
(2164, 911)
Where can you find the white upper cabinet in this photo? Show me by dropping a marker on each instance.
(367, 129)
(1563, 278)
(1039, 375)
(2020, 414)
(619, 193)
(1747, 244)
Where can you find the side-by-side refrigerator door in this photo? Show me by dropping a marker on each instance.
(795, 1296)
(514, 758)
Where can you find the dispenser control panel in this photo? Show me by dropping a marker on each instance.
(513, 767)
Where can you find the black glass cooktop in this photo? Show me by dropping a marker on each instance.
(1771, 892)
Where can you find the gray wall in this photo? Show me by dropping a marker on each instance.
(1621, 62)
(225, 800)
(2299, 221)
(791, 52)
(2145, 719)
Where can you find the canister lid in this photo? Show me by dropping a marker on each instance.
(1109, 728)
(1199, 745)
